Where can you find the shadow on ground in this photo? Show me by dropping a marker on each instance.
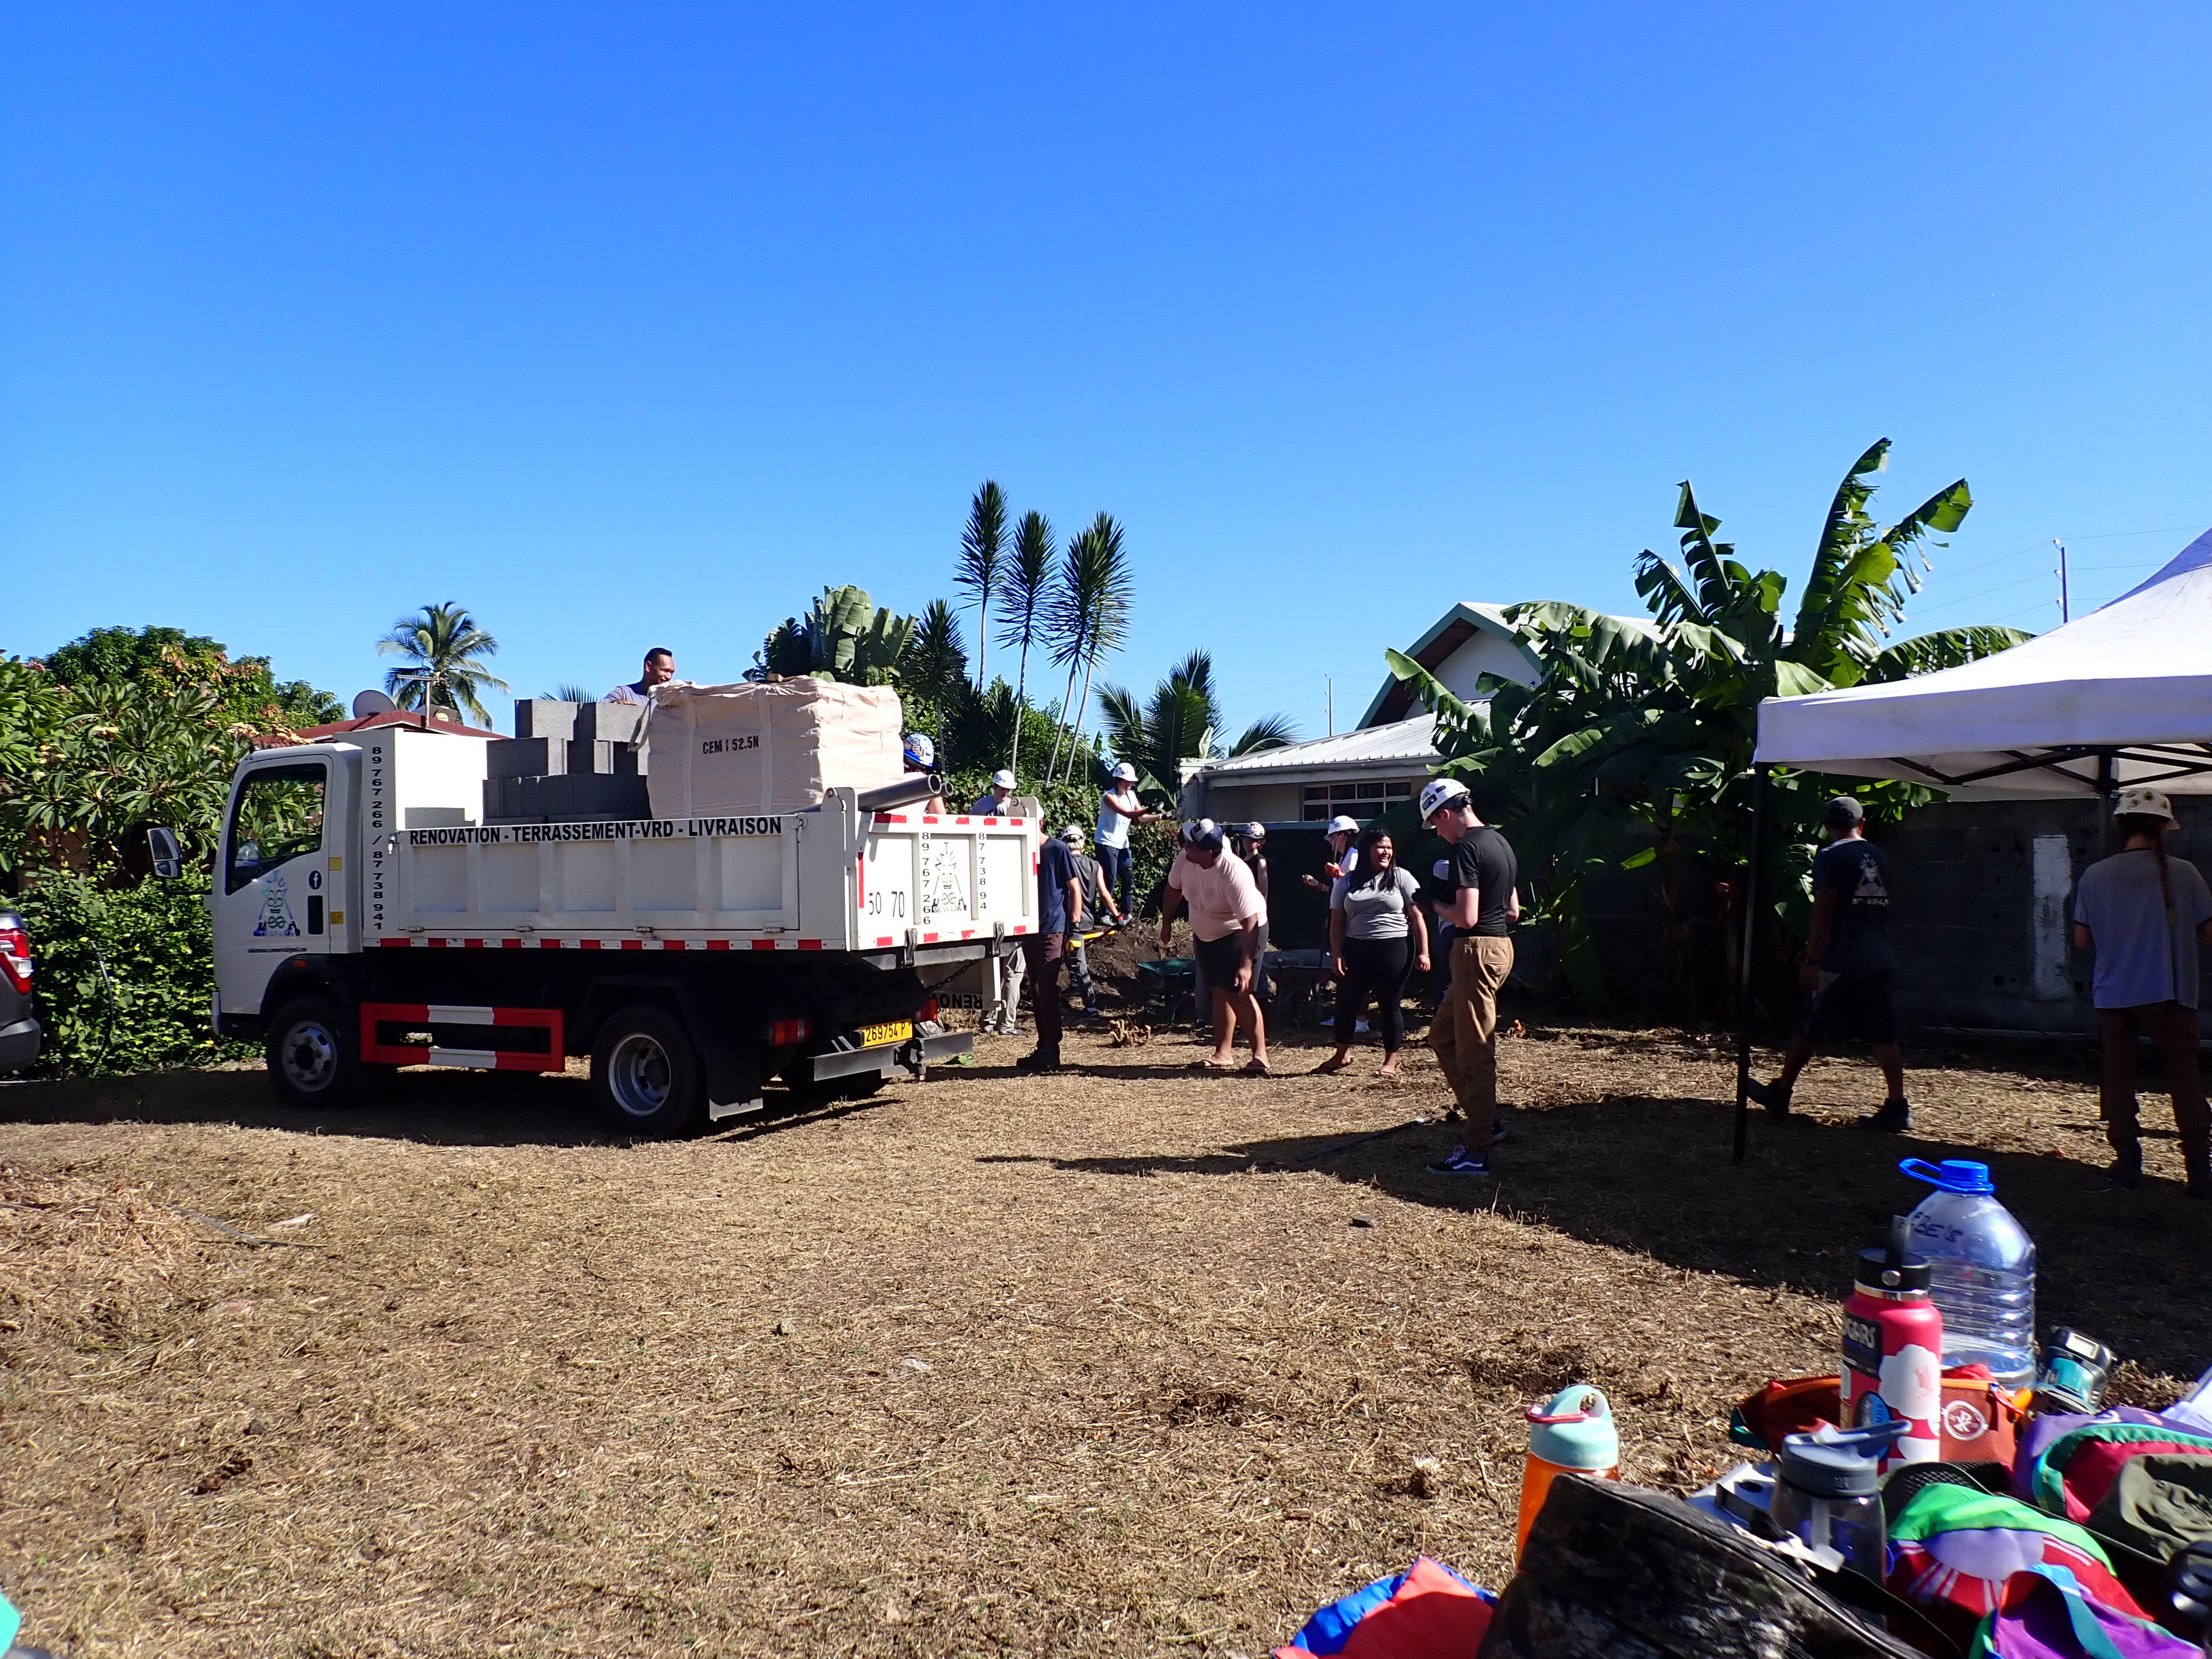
(434, 1108)
(1655, 1176)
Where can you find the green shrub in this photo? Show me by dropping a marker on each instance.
(125, 973)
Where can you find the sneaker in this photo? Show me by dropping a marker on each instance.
(2127, 1168)
(1463, 1163)
(1498, 1134)
(1772, 1096)
(1041, 1059)
(1894, 1118)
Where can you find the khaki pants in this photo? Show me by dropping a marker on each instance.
(2172, 1029)
(1464, 1033)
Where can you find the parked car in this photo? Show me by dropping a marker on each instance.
(20, 1034)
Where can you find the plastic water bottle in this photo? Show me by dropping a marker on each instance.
(1981, 1264)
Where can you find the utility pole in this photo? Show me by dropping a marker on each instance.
(1330, 682)
(2064, 615)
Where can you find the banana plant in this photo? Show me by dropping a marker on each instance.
(844, 637)
(1635, 746)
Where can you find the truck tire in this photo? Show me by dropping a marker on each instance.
(647, 1074)
(314, 1055)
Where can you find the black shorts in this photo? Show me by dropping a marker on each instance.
(1219, 959)
(1850, 1005)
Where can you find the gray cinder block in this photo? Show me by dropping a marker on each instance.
(608, 722)
(526, 757)
(543, 717)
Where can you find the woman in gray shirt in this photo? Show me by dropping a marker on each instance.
(1376, 936)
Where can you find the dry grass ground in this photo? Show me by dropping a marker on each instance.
(1130, 1361)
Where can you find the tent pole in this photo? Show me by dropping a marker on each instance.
(1755, 861)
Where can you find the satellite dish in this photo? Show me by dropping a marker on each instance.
(372, 702)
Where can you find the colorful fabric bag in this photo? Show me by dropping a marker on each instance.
(2042, 1616)
(1427, 1611)
(1954, 1549)
(2074, 1472)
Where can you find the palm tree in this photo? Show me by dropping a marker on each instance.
(1177, 724)
(982, 562)
(1108, 589)
(447, 650)
(935, 668)
(569, 691)
(1026, 586)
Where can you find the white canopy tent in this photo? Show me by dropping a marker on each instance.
(2122, 696)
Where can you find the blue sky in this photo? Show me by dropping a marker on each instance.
(628, 326)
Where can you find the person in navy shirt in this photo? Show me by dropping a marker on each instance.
(1060, 901)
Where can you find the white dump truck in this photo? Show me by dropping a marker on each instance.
(366, 916)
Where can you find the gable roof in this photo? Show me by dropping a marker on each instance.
(1394, 701)
(1384, 752)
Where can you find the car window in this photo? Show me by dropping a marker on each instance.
(278, 816)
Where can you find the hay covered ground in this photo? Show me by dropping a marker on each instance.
(1132, 1361)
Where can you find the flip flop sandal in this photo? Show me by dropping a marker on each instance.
(1252, 1068)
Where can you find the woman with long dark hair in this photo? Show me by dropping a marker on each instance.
(2144, 914)
(1376, 936)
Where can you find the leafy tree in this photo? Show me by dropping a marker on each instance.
(1177, 725)
(1635, 746)
(1088, 615)
(933, 676)
(982, 566)
(842, 637)
(987, 729)
(1027, 588)
(250, 690)
(446, 650)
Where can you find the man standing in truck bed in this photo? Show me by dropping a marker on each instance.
(659, 668)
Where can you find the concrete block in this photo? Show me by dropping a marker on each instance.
(543, 717)
(608, 722)
(526, 757)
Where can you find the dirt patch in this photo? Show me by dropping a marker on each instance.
(1119, 1361)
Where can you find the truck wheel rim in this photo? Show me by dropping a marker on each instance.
(309, 1055)
(639, 1075)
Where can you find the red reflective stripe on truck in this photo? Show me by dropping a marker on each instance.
(809, 945)
(671, 945)
(633, 945)
(510, 945)
(473, 944)
(395, 944)
(763, 945)
(718, 944)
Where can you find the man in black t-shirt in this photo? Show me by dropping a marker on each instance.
(1849, 965)
(1484, 905)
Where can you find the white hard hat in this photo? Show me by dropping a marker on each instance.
(1439, 793)
(1341, 825)
(1125, 773)
(2145, 803)
(1071, 835)
(1002, 778)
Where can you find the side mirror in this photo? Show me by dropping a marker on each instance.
(169, 856)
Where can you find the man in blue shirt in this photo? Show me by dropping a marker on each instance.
(1849, 965)
(1060, 901)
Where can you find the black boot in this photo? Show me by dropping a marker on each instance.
(1772, 1096)
(1894, 1118)
(1042, 1060)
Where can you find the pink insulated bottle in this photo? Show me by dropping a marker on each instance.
(1894, 1351)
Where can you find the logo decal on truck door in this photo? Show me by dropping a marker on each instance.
(276, 920)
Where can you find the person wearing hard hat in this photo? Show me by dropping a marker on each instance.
(1343, 856)
(1226, 914)
(1848, 968)
(1119, 808)
(920, 755)
(1251, 841)
(2144, 914)
(1095, 895)
(1485, 904)
(997, 801)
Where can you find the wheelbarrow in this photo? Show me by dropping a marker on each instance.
(1175, 976)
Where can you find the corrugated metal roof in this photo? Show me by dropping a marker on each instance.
(1403, 745)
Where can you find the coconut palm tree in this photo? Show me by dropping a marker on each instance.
(1026, 587)
(1176, 724)
(446, 650)
(982, 566)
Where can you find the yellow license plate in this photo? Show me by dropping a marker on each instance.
(875, 1036)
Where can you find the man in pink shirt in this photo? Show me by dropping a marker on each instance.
(1226, 916)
